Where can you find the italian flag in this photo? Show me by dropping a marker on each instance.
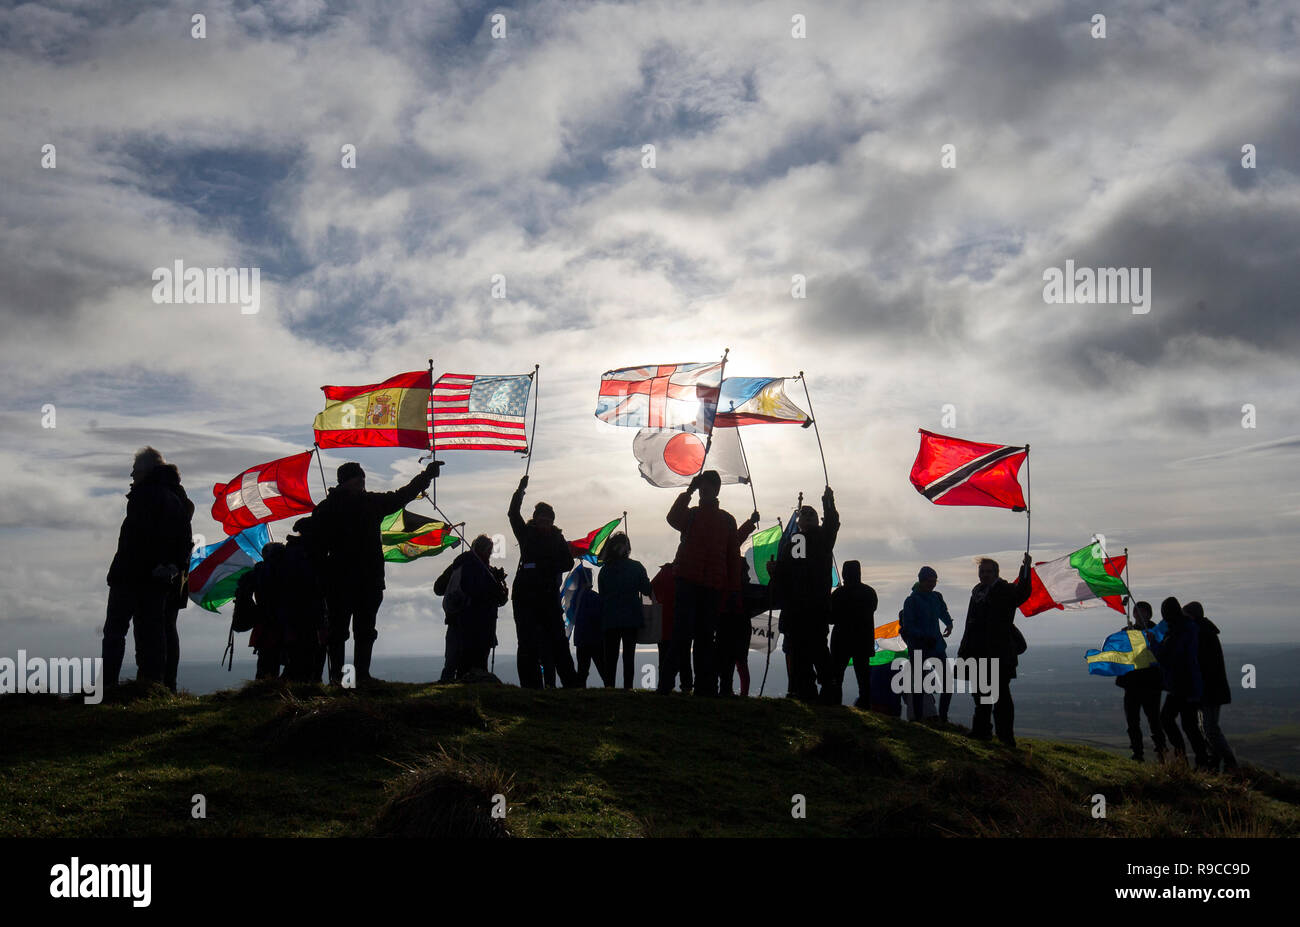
(1077, 580)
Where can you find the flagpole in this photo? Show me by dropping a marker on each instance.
(816, 430)
(767, 660)
(625, 531)
(749, 478)
(709, 443)
(433, 454)
(1029, 493)
(1128, 599)
(534, 386)
(323, 484)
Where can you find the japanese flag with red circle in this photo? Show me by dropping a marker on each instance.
(668, 457)
(269, 491)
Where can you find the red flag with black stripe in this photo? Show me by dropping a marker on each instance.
(952, 471)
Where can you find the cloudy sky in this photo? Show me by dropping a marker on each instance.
(522, 155)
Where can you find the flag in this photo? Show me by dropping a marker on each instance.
(950, 471)
(1076, 579)
(264, 493)
(215, 569)
(592, 546)
(389, 414)
(756, 401)
(889, 644)
(575, 584)
(763, 633)
(760, 547)
(1122, 652)
(473, 412)
(681, 396)
(406, 536)
(671, 458)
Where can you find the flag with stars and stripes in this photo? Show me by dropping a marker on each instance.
(473, 412)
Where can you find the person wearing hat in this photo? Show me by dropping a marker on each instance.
(544, 557)
(923, 611)
(349, 529)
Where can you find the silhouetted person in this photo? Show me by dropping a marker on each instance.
(472, 591)
(853, 637)
(147, 575)
(803, 572)
(1181, 672)
(734, 630)
(665, 589)
(991, 634)
(1142, 688)
(923, 611)
(706, 568)
(1214, 688)
(622, 582)
(270, 633)
(349, 521)
(544, 558)
(584, 613)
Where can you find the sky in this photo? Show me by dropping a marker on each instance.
(1173, 432)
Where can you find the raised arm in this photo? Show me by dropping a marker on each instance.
(516, 502)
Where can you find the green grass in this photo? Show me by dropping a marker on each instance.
(277, 761)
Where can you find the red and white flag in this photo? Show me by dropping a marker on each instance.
(267, 492)
(951, 471)
(473, 412)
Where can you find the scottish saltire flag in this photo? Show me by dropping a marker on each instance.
(1122, 652)
(681, 396)
(215, 569)
(953, 471)
(756, 401)
(472, 412)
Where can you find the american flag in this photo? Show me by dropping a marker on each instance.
(470, 412)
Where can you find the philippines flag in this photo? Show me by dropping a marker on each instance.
(680, 396)
(950, 471)
(267, 492)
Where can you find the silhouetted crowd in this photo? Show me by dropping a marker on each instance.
(325, 582)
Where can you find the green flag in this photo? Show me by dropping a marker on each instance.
(406, 536)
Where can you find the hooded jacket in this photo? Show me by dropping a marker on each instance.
(919, 626)
(156, 530)
(1178, 657)
(1209, 655)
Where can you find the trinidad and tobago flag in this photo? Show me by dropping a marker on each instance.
(950, 471)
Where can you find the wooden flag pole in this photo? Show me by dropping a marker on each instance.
(323, 484)
(744, 462)
(816, 430)
(1128, 599)
(1029, 492)
(534, 386)
(709, 442)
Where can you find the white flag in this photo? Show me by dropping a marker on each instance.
(671, 458)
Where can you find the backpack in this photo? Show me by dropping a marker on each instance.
(247, 614)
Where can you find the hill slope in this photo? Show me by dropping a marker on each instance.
(415, 759)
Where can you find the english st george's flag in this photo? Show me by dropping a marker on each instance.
(266, 492)
(473, 412)
(951, 471)
(393, 413)
(680, 396)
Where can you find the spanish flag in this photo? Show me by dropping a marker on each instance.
(394, 413)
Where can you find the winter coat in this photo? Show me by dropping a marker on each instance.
(853, 612)
(156, 530)
(544, 558)
(990, 623)
(804, 583)
(621, 584)
(709, 552)
(665, 591)
(479, 593)
(1214, 674)
(919, 627)
(348, 525)
(1179, 664)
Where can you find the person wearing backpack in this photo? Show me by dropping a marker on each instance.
(472, 591)
(621, 583)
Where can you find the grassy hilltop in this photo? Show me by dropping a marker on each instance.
(424, 760)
